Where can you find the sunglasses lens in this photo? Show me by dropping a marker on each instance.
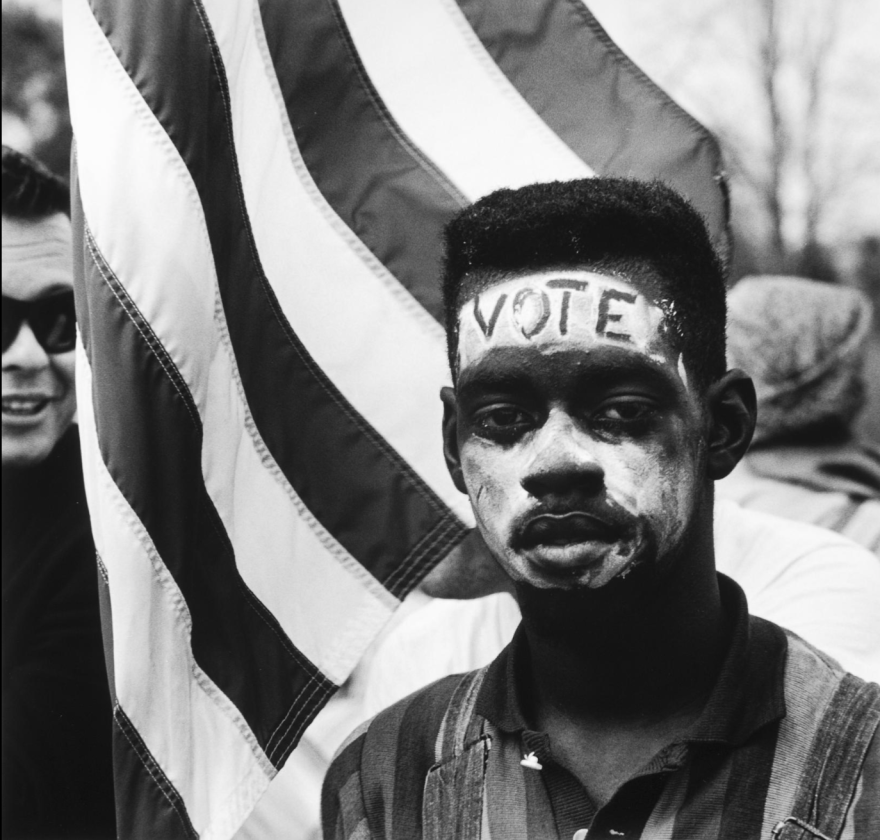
(12, 317)
(54, 323)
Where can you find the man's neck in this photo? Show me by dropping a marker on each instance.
(640, 649)
(616, 674)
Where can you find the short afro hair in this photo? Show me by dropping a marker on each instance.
(643, 231)
(30, 191)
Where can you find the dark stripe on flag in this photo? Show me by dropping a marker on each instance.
(147, 804)
(603, 106)
(351, 480)
(150, 436)
(393, 198)
(78, 231)
(105, 606)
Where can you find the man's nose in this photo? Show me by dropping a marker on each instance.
(25, 352)
(563, 460)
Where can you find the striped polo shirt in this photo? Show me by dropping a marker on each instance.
(734, 775)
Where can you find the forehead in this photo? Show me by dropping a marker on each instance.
(561, 311)
(37, 256)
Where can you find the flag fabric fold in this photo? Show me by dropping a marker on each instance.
(260, 191)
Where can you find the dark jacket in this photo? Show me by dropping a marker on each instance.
(57, 715)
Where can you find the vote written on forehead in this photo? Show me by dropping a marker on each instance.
(556, 310)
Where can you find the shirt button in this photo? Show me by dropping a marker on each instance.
(580, 834)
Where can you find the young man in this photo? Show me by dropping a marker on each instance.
(590, 416)
(57, 717)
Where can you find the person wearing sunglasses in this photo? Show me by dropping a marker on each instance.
(39, 330)
(57, 715)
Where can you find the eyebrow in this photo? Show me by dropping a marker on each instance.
(493, 372)
(473, 383)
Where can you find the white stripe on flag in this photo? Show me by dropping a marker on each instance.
(376, 344)
(191, 728)
(453, 101)
(150, 228)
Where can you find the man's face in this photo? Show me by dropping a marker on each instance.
(580, 441)
(38, 387)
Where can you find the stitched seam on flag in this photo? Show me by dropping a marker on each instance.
(327, 540)
(291, 709)
(453, 533)
(102, 569)
(178, 603)
(141, 324)
(167, 363)
(319, 375)
(131, 309)
(408, 302)
(152, 767)
(397, 289)
(385, 115)
(402, 575)
(313, 686)
(288, 738)
(412, 567)
(634, 70)
(503, 86)
(345, 559)
(306, 715)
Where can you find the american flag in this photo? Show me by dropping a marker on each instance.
(260, 190)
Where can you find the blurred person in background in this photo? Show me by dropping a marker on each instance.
(57, 716)
(804, 342)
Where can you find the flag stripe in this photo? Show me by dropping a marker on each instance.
(142, 440)
(455, 103)
(376, 180)
(602, 105)
(150, 797)
(263, 318)
(341, 302)
(193, 730)
(296, 554)
(303, 419)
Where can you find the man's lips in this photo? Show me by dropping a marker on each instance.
(560, 529)
(25, 405)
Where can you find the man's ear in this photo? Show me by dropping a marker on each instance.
(450, 437)
(733, 410)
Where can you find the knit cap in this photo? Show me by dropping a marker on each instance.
(803, 342)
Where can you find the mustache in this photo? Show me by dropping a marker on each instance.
(563, 521)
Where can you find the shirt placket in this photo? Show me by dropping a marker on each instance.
(624, 816)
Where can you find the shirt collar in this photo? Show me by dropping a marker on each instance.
(748, 694)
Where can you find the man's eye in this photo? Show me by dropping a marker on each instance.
(503, 420)
(625, 413)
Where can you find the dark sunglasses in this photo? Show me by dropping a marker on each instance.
(52, 321)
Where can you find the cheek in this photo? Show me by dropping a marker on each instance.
(654, 482)
(492, 480)
(63, 366)
(63, 369)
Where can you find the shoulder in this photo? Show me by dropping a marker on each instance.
(863, 817)
(810, 580)
(828, 744)
(386, 760)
